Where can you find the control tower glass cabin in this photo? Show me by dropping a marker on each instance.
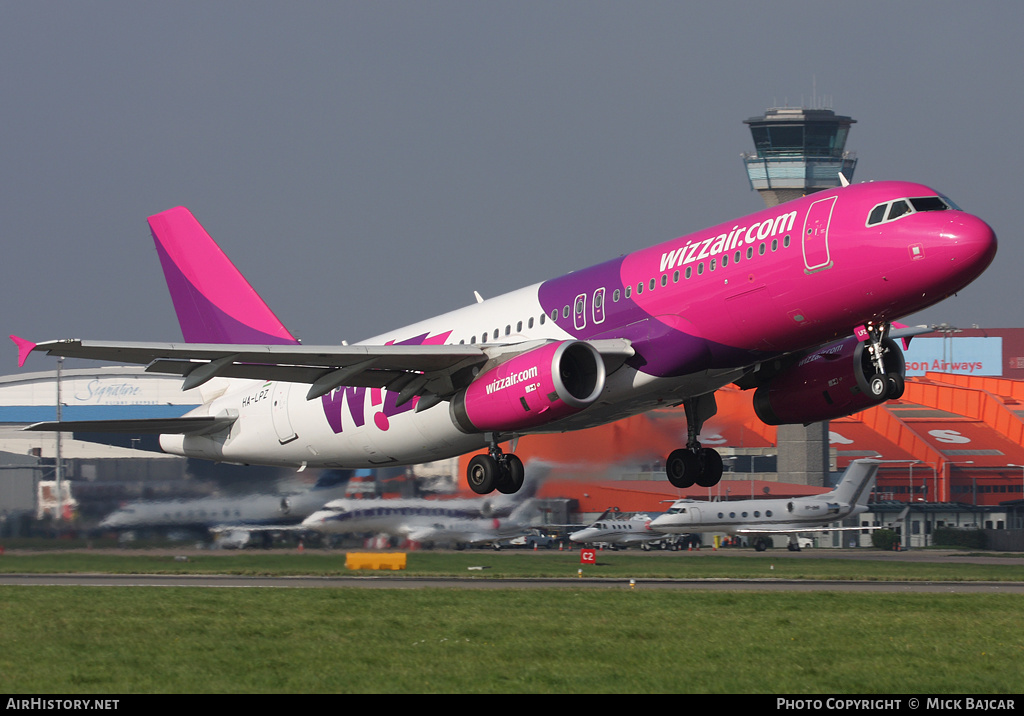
(798, 151)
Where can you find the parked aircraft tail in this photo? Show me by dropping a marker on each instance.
(214, 302)
(855, 487)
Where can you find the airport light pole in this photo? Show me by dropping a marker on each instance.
(946, 465)
(58, 465)
(947, 332)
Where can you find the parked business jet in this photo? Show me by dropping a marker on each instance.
(369, 515)
(759, 519)
(795, 301)
(432, 522)
(219, 513)
(621, 532)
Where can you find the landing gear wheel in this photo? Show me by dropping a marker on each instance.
(896, 386)
(878, 386)
(511, 475)
(682, 468)
(710, 467)
(482, 474)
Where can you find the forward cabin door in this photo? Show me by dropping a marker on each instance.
(815, 236)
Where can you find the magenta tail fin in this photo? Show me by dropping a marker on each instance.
(214, 302)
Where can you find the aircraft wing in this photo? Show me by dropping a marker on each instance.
(796, 529)
(195, 425)
(413, 369)
(641, 538)
(467, 534)
(426, 534)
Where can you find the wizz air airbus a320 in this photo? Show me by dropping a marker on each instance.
(795, 301)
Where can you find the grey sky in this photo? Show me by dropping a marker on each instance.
(369, 164)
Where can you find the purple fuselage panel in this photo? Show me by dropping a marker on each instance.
(592, 304)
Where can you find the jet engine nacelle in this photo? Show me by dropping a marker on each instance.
(832, 382)
(532, 389)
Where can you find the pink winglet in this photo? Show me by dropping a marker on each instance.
(905, 342)
(24, 348)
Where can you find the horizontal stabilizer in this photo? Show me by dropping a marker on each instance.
(194, 425)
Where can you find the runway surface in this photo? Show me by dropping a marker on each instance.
(383, 582)
(390, 581)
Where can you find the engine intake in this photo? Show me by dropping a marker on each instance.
(832, 382)
(531, 389)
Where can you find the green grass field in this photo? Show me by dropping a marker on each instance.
(113, 640)
(122, 640)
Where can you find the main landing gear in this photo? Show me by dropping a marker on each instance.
(496, 470)
(693, 464)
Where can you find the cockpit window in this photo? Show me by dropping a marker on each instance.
(929, 203)
(898, 209)
(892, 210)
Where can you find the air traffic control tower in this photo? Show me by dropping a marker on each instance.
(799, 151)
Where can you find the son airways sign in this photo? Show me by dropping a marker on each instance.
(965, 356)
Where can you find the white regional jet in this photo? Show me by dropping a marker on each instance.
(760, 519)
(636, 530)
(430, 522)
